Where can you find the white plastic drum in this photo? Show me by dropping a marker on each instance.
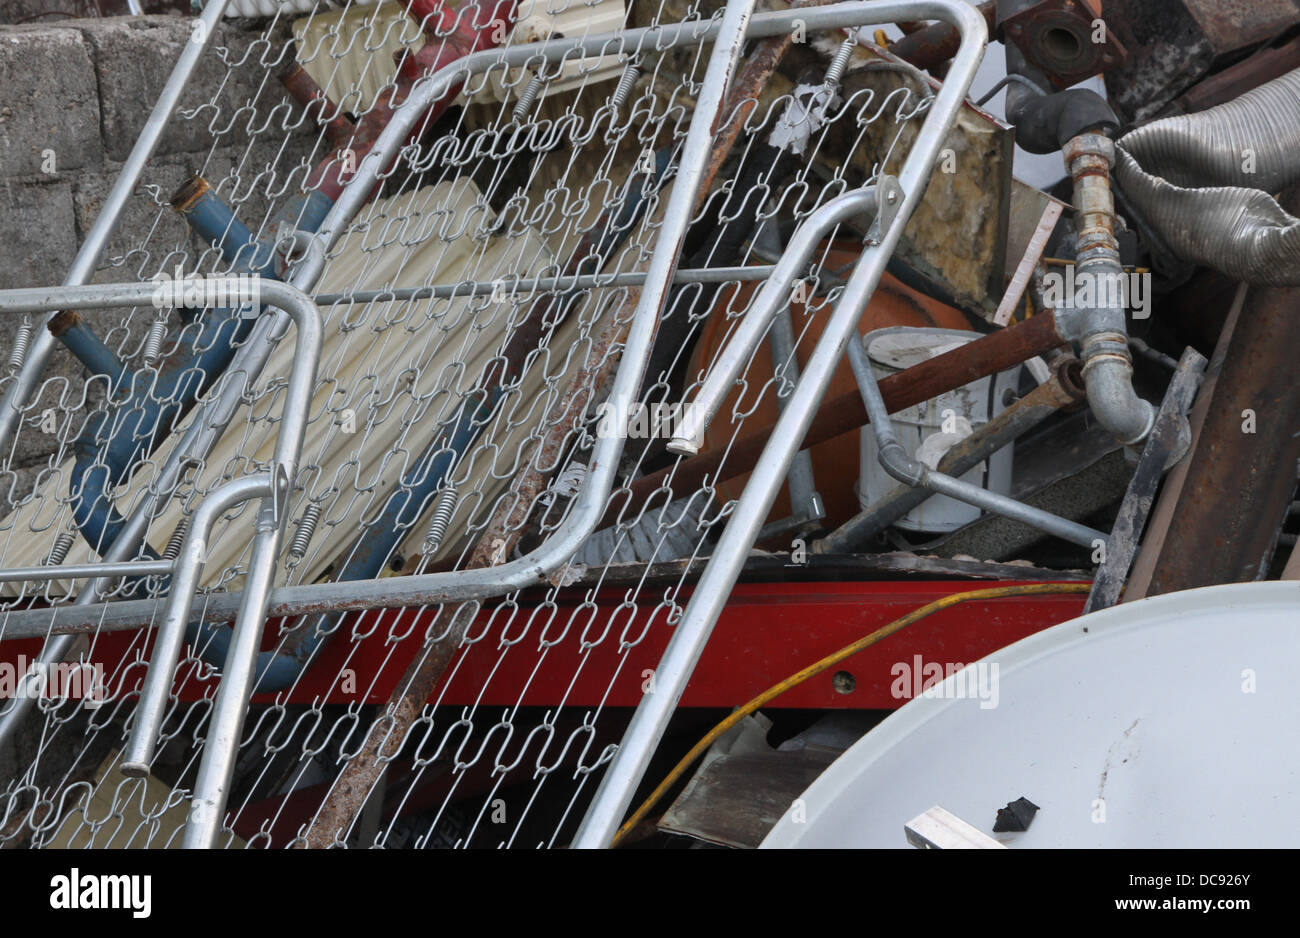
(928, 429)
(1169, 722)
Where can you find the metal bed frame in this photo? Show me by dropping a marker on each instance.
(888, 200)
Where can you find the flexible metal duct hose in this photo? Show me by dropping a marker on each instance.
(1202, 182)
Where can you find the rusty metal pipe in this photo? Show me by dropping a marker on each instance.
(1100, 326)
(842, 414)
(937, 43)
(339, 129)
(1063, 390)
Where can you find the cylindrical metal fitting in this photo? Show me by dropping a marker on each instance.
(1088, 158)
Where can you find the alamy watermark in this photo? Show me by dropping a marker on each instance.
(1071, 289)
(78, 890)
(643, 421)
(208, 291)
(919, 678)
(63, 680)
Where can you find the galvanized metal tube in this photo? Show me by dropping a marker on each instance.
(805, 503)
(561, 284)
(250, 359)
(774, 296)
(841, 414)
(241, 667)
(1044, 401)
(844, 412)
(1008, 507)
(1164, 447)
(902, 466)
(1103, 336)
(221, 742)
(710, 595)
(252, 356)
(364, 770)
(288, 444)
(152, 705)
(81, 571)
(218, 759)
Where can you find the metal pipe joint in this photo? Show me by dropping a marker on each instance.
(1099, 325)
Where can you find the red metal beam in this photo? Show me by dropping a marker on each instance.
(569, 653)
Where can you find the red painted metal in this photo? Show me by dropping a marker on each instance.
(601, 652)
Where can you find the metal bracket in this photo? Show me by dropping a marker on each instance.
(938, 829)
(279, 492)
(1058, 36)
(889, 200)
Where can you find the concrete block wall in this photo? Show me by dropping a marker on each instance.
(74, 96)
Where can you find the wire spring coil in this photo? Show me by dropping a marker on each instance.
(443, 509)
(527, 98)
(173, 548)
(59, 552)
(306, 528)
(22, 339)
(843, 54)
(623, 90)
(153, 342)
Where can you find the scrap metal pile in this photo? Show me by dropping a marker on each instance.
(541, 361)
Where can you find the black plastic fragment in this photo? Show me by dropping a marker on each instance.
(1016, 816)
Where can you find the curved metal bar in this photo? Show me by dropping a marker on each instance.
(152, 706)
(288, 447)
(534, 568)
(773, 297)
(710, 595)
(908, 470)
(84, 571)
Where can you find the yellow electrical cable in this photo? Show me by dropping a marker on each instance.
(776, 690)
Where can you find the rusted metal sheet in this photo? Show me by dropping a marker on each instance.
(957, 237)
(734, 800)
(1236, 24)
(1225, 518)
(1174, 43)
(1235, 80)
